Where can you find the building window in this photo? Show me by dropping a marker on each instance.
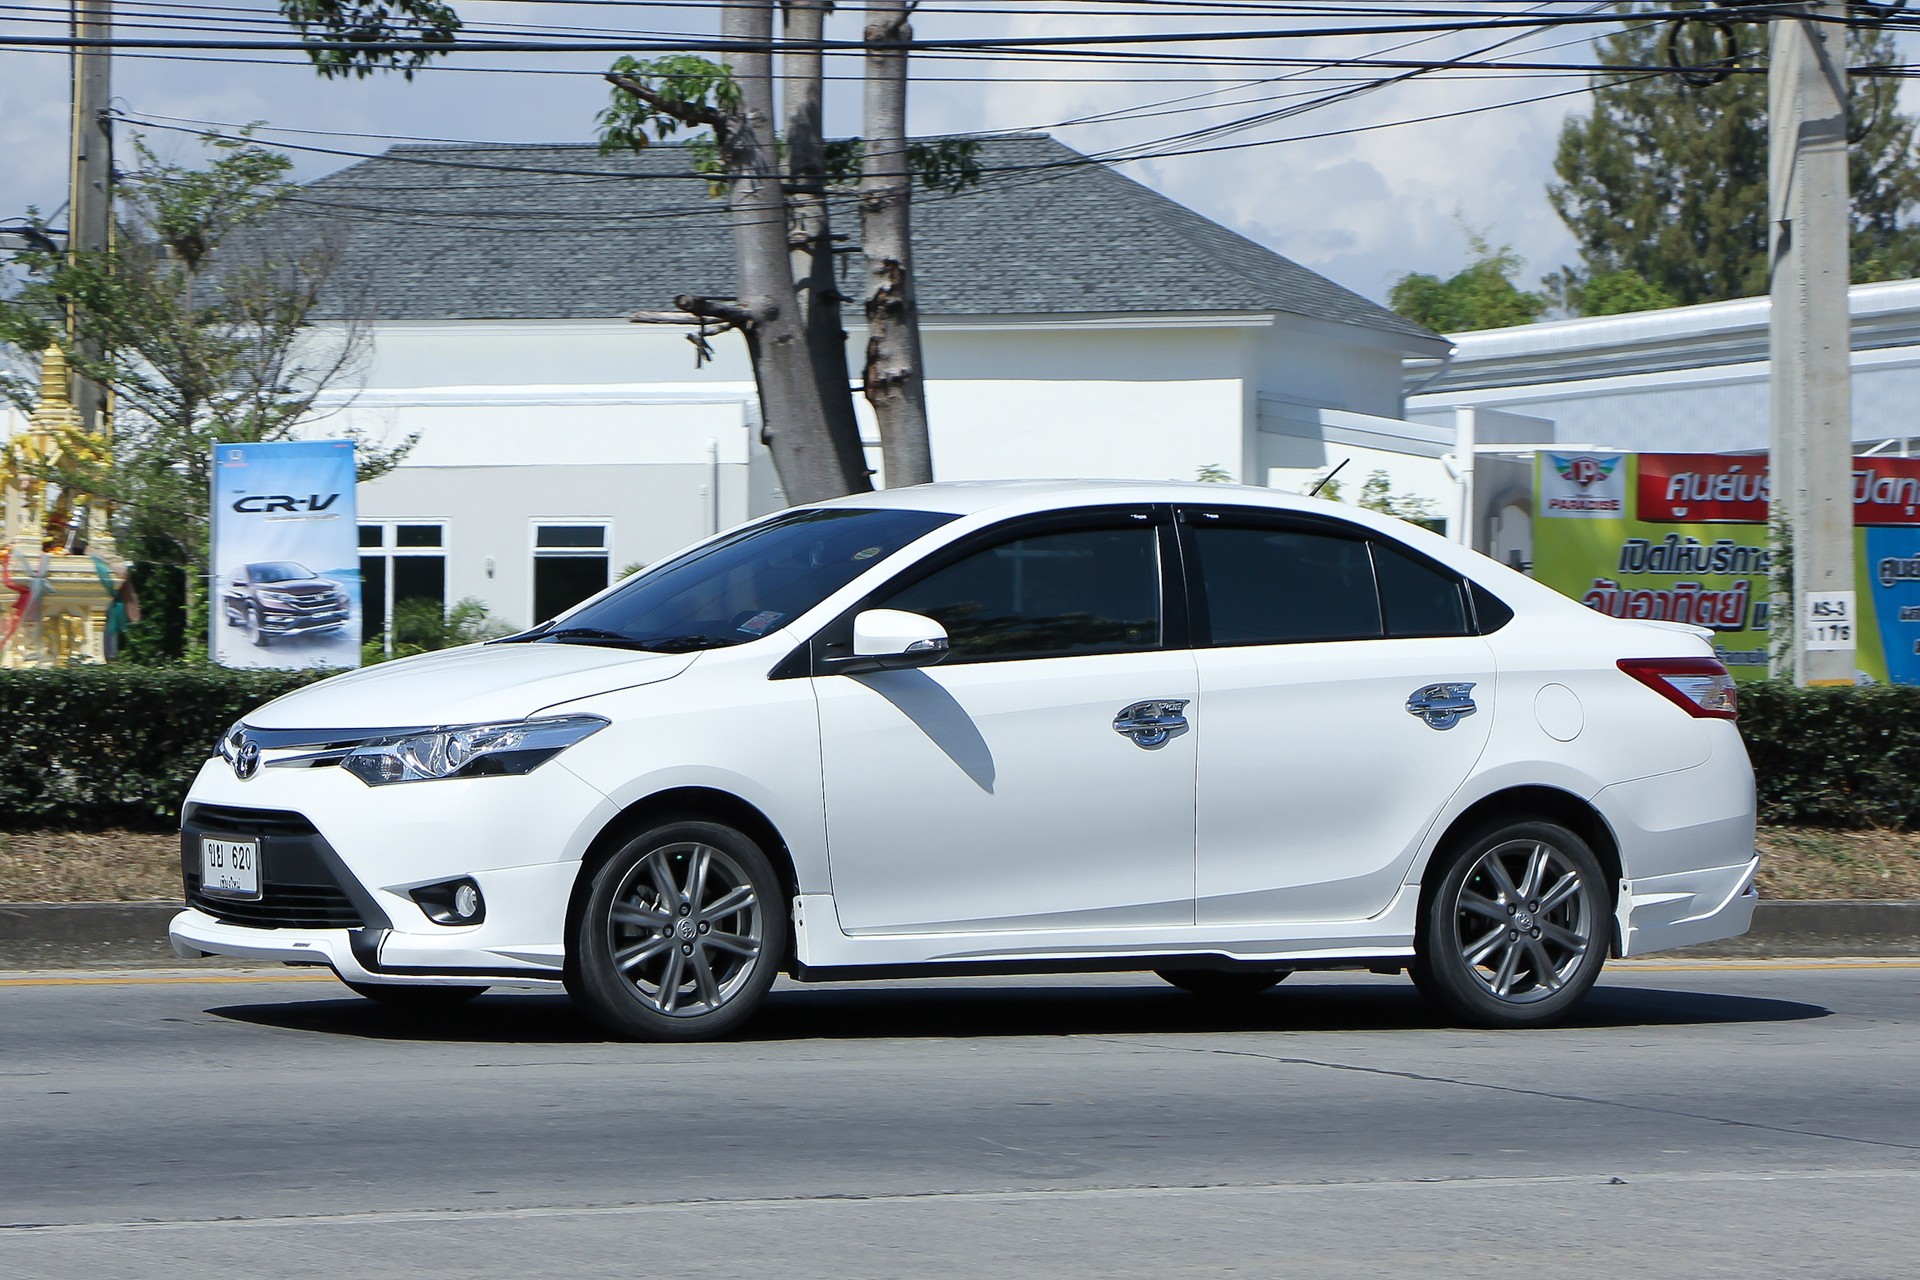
(400, 562)
(570, 563)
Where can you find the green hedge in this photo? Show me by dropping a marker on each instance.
(1840, 757)
(116, 746)
(94, 747)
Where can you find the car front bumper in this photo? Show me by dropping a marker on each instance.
(338, 861)
(286, 624)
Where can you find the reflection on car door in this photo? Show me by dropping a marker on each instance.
(1316, 782)
(993, 791)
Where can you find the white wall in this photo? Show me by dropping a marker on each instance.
(1684, 379)
(523, 421)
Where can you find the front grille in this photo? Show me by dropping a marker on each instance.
(301, 883)
(307, 604)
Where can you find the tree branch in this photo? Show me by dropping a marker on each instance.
(691, 113)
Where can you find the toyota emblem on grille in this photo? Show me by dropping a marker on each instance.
(246, 761)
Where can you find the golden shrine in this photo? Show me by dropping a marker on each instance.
(60, 580)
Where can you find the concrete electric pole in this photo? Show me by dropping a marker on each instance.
(90, 185)
(1815, 618)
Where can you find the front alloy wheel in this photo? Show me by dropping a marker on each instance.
(681, 934)
(1518, 928)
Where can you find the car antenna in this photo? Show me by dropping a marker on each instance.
(1325, 479)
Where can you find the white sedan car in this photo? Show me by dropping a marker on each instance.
(1217, 733)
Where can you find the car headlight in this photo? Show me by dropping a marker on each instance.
(468, 751)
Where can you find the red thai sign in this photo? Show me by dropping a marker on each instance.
(1713, 488)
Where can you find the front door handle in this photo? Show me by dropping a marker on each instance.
(1443, 706)
(1151, 723)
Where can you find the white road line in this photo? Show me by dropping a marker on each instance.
(23, 1231)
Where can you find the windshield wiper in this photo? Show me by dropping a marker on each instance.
(595, 635)
(685, 644)
(621, 640)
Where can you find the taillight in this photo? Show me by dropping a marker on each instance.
(1700, 687)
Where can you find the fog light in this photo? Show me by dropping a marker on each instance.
(452, 902)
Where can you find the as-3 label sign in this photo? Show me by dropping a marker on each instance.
(1831, 621)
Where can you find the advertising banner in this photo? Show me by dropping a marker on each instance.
(286, 555)
(1682, 537)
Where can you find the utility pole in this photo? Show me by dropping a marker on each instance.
(1815, 619)
(90, 184)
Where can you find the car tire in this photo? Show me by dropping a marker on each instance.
(1516, 930)
(407, 995)
(1223, 984)
(680, 934)
(255, 632)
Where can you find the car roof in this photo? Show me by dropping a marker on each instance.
(970, 497)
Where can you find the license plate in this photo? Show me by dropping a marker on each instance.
(230, 868)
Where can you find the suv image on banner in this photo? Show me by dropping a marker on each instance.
(1213, 733)
(282, 598)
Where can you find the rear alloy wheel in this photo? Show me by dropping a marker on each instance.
(681, 934)
(1516, 932)
(413, 995)
(1223, 984)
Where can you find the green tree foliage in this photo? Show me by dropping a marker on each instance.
(1667, 181)
(205, 331)
(1482, 295)
(420, 625)
(1609, 293)
(1377, 495)
(425, 24)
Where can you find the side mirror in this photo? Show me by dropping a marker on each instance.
(892, 638)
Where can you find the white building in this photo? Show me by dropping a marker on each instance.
(1682, 380)
(1076, 323)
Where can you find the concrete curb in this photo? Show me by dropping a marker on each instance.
(81, 934)
(1838, 928)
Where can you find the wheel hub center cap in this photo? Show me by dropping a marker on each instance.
(1524, 920)
(686, 931)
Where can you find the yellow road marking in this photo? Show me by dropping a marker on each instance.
(159, 980)
(1788, 966)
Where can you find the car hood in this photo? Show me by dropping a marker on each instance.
(298, 584)
(466, 686)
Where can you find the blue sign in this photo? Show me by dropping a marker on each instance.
(1893, 570)
(286, 555)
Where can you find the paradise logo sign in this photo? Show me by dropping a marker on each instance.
(1583, 486)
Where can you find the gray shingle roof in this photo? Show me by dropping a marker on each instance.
(564, 232)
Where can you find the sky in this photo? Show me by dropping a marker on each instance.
(1381, 198)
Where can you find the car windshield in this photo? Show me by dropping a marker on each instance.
(742, 586)
(277, 571)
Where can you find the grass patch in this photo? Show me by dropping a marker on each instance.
(134, 866)
(89, 866)
(1807, 862)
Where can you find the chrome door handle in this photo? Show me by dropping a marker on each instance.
(1151, 723)
(1443, 706)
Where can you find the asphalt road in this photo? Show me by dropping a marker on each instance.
(1705, 1121)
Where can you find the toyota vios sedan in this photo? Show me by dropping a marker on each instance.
(1220, 734)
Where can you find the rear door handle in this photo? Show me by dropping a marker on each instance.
(1151, 723)
(1443, 706)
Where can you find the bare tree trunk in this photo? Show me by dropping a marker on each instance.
(811, 235)
(795, 425)
(895, 376)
